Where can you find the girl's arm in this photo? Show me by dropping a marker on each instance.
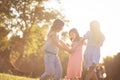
(65, 46)
(82, 41)
(103, 38)
(56, 41)
(79, 43)
(59, 43)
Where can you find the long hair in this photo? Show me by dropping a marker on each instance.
(96, 33)
(74, 30)
(57, 24)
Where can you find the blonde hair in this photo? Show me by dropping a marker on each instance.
(97, 35)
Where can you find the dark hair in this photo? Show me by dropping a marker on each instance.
(57, 24)
(76, 32)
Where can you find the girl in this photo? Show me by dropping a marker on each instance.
(95, 40)
(74, 69)
(52, 63)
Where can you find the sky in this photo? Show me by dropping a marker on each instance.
(82, 12)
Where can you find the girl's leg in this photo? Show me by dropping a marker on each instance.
(84, 73)
(91, 74)
(58, 69)
(88, 76)
(73, 79)
(94, 76)
(78, 79)
(49, 66)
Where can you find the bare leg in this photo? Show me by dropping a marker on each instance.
(94, 76)
(88, 76)
(91, 74)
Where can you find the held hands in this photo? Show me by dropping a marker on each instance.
(64, 46)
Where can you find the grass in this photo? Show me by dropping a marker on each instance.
(12, 77)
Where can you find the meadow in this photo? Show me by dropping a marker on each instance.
(13, 77)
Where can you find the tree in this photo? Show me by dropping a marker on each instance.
(28, 57)
(112, 67)
(18, 20)
(4, 52)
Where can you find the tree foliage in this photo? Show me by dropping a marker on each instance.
(22, 14)
(112, 67)
(23, 26)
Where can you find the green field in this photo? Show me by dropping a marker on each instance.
(12, 77)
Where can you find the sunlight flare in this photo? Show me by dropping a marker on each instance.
(81, 13)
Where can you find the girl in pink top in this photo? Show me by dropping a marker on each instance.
(74, 68)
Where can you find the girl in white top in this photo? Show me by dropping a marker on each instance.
(52, 62)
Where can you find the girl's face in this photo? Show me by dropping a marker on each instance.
(59, 29)
(94, 26)
(72, 35)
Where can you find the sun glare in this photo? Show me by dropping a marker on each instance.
(82, 12)
(53, 4)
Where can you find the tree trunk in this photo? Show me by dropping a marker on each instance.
(5, 65)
